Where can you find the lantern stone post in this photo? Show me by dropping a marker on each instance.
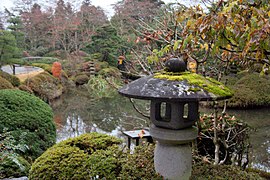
(175, 94)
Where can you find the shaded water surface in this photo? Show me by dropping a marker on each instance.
(77, 112)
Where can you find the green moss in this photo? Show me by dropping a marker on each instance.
(45, 86)
(140, 164)
(46, 67)
(23, 113)
(208, 84)
(110, 71)
(12, 79)
(203, 171)
(5, 84)
(250, 90)
(81, 79)
(83, 157)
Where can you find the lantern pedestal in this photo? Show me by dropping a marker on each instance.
(173, 157)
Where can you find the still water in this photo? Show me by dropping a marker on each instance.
(77, 112)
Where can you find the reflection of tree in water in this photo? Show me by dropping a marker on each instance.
(260, 150)
(81, 113)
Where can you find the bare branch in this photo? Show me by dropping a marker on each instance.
(134, 106)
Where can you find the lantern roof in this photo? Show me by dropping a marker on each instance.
(176, 84)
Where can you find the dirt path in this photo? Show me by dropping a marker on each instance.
(24, 76)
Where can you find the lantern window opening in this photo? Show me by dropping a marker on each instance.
(186, 111)
(163, 112)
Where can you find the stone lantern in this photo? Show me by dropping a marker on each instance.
(175, 94)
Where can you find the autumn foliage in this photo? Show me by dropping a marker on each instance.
(56, 69)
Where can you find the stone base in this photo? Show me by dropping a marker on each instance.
(173, 162)
(171, 136)
(173, 157)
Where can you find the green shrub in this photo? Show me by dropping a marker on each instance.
(97, 56)
(45, 86)
(23, 113)
(251, 90)
(81, 79)
(101, 65)
(111, 71)
(83, 157)
(14, 166)
(100, 87)
(97, 156)
(203, 171)
(12, 79)
(140, 164)
(5, 84)
(46, 67)
(11, 163)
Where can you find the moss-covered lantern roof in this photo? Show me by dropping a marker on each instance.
(176, 84)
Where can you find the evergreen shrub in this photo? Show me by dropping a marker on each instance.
(23, 113)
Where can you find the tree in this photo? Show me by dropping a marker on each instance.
(129, 13)
(91, 18)
(231, 32)
(8, 46)
(235, 31)
(107, 42)
(16, 27)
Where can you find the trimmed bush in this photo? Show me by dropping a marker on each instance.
(111, 71)
(250, 91)
(81, 79)
(12, 79)
(85, 157)
(5, 84)
(97, 156)
(23, 113)
(45, 86)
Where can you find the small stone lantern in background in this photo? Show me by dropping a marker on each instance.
(175, 94)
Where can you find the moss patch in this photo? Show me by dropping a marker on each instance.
(45, 86)
(5, 84)
(208, 84)
(202, 171)
(85, 157)
(251, 90)
(12, 79)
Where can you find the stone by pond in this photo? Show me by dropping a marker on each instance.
(77, 112)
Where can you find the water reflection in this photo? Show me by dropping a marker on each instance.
(77, 112)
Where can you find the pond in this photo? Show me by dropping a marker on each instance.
(77, 112)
